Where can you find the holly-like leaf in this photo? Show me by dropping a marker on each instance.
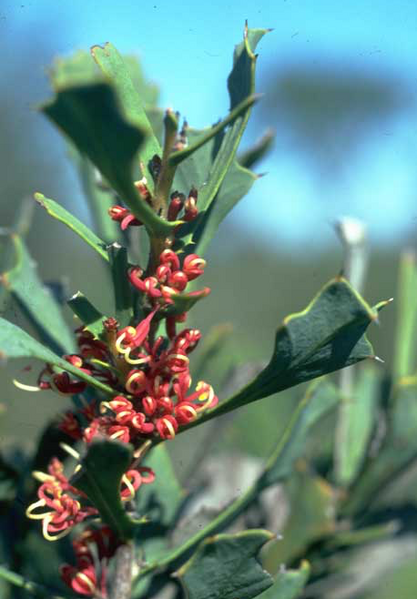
(327, 336)
(289, 583)
(78, 69)
(241, 84)
(359, 419)
(57, 211)
(90, 116)
(100, 478)
(36, 301)
(216, 158)
(16, 343)
(226, 567)
(115, 69)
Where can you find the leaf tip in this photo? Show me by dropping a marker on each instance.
(38, 197)
(98, 47)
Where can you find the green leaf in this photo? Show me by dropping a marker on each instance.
(241, 80)
(123, 296)
(100, 477)
(235, 186)
(91, 118)
(405, 352)
(7, 253)
(318, 401)
(241, 84)
(328, 335)
(255, 153)
(36, 301)
(177, 157)
(160, 501)
(226, 567)
(321, 397)
(398, 450)
(312, 518)
(77, 69)
(218, 155)
(87, 313)
(58, 212)
(288, 583)
(114, 68)
(16, 343)
(359, 416)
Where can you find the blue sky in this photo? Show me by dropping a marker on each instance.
(186, 48)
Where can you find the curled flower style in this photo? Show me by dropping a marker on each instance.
(59, 505)
(154, 397)
(93, 548)
(124, 217)
(170, 277)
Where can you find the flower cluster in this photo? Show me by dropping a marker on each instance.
(150, 394)
(92, 551)
(61, 506)
(170, 278)
(180, 207)
(153, 394)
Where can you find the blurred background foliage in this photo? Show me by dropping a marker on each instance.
(326, 113)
